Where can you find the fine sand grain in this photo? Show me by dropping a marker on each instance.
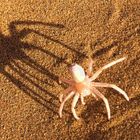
(38, 41)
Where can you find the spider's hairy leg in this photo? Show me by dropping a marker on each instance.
(68, 90)
(97, 92)
(74, 102)
(61, 79)
(62, 104)
(97, 73)
(82, 100)
(96, 84)
(89, 70)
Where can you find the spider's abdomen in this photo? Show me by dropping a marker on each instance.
(78, 73)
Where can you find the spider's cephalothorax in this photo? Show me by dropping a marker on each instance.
(82, 84)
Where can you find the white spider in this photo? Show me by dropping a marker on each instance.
(82, 85)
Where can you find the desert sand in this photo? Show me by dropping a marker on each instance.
(39, 40)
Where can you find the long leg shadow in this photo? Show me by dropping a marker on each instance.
(30, 92)
(12, 48)
(12, 28)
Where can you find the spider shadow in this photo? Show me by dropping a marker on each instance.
(12, 48)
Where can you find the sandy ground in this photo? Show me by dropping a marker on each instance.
(38, 41)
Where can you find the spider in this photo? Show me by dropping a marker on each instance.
(82, 84)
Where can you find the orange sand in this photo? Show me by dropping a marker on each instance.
(39, 39)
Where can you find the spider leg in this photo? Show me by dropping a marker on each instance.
(89, 70)
(97, 92)
(69, 89)
(92, 93)
(96, 84)
(94, 96)
(61, 98)
(82, 100)
(74, 102)
(97, 73)
(61, 79)
(62, 104)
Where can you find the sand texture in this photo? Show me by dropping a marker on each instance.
(39, 39)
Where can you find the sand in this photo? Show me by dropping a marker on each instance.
(39, 40)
